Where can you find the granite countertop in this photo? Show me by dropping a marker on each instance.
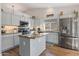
(11, 33)
(33, 36)
(50, 31)
(69, 36)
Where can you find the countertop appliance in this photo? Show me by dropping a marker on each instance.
(69, 33)
(24, 27)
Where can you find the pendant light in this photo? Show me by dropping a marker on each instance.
(12, 14)
(12, 24)
(49, 12)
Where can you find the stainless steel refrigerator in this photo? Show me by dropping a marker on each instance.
(69, 33)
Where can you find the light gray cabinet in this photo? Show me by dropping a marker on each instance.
(35, 22)
(5, 14)
(52, 24)
(16, 20)
(31, 22)
(38, 45)
(38, 22)
(16, 40)
(52, 38)
(9, 17)
(5, 18)
(9, 41)
(32, 47)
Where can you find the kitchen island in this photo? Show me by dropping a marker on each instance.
(32, 45)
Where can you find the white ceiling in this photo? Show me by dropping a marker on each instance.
(47, 5)
(29, 6)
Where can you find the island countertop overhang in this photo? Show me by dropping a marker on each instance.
(33, 36)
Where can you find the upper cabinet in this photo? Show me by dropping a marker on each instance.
(52, 24)
(16, 19)
(9, 16)
(5, 18)
(36, 22)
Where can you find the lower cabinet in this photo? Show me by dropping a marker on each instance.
(52, 38)
(37, 46)
(9, 42)
(32, 47)
(16, 40)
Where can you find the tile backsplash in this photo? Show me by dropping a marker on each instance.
(10, 29)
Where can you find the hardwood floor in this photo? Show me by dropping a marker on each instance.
(51, 50)
(58, 51)
(11, 52)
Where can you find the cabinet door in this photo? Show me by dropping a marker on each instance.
(7, 42)
(37, 46)
(47, 26)
(3, 18)
(31, 22)
(15, 20)
(52, 38)
(9, 19)
(42, 44)
(16, 40)
(34, 46)
(39, 22)
(6, 18)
